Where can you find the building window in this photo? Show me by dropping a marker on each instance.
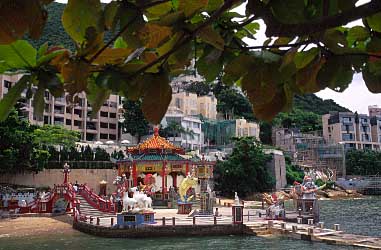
(7, 84)
(347, 119)
(365, 137)
(112, 137)
(104, 114)
(112, 115)
(90, 137)
(348, 137)
(112, 126)
(68, 122)
(78, 123)
(104, 125)
(104, 136)
(91, 125)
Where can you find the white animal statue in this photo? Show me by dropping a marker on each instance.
(142, 200)
(128, 203)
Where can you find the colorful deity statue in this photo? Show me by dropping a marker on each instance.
(185, 185)
(309, 188)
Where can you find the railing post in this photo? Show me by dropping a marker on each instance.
(215, 220)
(98, 220)
(194, 220)
(163, 221)
(112, 221)
(91, 220)
(173, 221)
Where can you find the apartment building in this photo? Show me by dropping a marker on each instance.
(354, 131)
(192, 138)
(374, 110)
(103, 127)
(222, 132)
(191, 104)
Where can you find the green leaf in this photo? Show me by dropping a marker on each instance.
(50, 81)
(375, 67)
(289, 12)
(47, 57)
(79, 15)
(209, 35)
(374, 45)
(120, 43)
(237, 68)
(157, 98)
(42, 50)
(210, 66)
(214, 5)
(160, 9)
(10, 99)
(303, 58)
(190, 7)
(39, 102)
(110, 15)
(374, 22)
(18, 55)
(110, 79)
(335, 40)
(135, 21)
(336, 73)
(96, 95)
(252, 27)
(358, 33)
(372, 81)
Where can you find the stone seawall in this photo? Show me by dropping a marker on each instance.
(49, 177)
(160, 231)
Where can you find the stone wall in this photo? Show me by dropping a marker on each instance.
(277, 167)
(160, 231)
(49, 177)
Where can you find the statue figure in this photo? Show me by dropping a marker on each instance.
(128, 203)
(142, 201)
(309, 188)
(236, 199)
(187, 183)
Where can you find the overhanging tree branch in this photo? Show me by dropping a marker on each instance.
(275, 28)
(188, 37)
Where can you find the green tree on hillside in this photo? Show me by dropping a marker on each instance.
(134, 120)
(245, 170)
(18, 151)
(51, 135)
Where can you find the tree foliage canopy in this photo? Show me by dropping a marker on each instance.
(363, 162)
(245, 170)
(50, 135)
(308, 49)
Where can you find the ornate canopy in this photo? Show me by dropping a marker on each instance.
(155, 145)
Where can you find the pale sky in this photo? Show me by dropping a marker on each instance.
(356, 97)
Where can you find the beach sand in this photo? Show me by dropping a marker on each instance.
(32, 226)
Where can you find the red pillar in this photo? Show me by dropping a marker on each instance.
(134, 174)
(163, 179)
(187, 168)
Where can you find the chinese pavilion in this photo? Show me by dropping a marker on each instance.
(158, 157)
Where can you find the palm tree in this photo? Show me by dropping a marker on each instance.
(174, 129)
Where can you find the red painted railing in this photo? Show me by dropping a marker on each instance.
(95, 200)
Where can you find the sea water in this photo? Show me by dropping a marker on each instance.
(360, 216)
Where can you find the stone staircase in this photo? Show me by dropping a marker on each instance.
(88, 210)
(257, 229)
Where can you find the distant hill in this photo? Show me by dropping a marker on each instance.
(54, 32)
(313, 103)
